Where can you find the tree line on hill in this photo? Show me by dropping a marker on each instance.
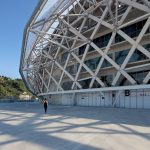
(12, 87)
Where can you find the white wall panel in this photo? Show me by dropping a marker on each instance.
(146, 99)
(67, 99)
(108, 99)
(91, 102)
(122, 100)
(97, 98)
(133, 100)
(140, 99)
(127, 101)
(136, 99)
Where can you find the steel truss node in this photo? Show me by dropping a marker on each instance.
(58, 31)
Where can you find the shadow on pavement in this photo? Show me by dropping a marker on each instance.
(59, 129)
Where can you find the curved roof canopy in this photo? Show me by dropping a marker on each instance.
(42, 19)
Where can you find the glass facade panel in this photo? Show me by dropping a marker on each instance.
(102, 41)
(119, 59)
(67, 85)
(91, 49)
(124, 82)
(71, 69)
(120, 56)
(107, 80)
(96, 84)
(106, 63)
(137, 56)
(85, 83)
(118, 38)
(64, 57)
(132, 31)
(82, 49)
(83, 69)
(147, 46)
(139, 76)
(92, 64)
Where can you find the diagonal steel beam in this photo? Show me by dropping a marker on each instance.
(135, 5)
(102, 53)
(67, 73)
(132, 50)
(147, 78)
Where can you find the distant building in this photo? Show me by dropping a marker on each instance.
(89, 52)
(25, 96)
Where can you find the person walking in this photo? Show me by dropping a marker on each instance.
(45, 105)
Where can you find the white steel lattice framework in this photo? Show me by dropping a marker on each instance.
(56, 32)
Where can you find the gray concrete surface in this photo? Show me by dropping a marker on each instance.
(25, 127)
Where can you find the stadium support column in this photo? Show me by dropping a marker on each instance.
(74, 99)
(116, 98)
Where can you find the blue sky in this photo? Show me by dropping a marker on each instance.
(14, 15)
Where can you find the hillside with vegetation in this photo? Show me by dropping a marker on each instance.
(11, 87)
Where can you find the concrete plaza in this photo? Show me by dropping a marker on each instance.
(25, 127)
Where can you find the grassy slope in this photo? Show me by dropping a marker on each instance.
(11, 87)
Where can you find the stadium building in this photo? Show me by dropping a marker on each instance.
(89, 52)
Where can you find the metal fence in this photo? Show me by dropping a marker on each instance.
(8, 99)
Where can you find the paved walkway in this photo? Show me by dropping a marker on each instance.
(25, 127)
